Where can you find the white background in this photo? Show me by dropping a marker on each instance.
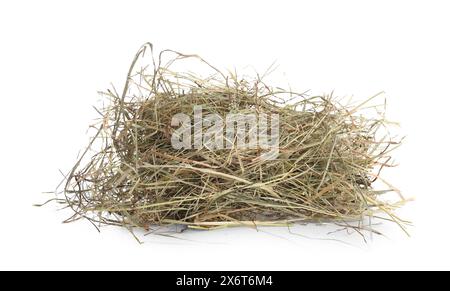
(55, 56)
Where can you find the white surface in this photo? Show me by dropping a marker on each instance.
(55, 56)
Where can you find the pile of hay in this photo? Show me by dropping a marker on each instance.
(131, 175)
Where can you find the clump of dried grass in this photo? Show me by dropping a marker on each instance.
(130, 175)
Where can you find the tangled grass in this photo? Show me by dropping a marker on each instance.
(130, 175)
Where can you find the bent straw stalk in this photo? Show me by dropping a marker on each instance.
(130, 175)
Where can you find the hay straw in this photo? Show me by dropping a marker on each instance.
(131, 176)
